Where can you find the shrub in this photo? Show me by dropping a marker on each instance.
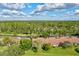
(14, 33)
(46, 47)
(14, 50)
(77, 50)
(44, 34)
(60, 44)
(66, 44)
(6, 41)
(34, 49)
(1, 43)
(75, 44)
(26, 44)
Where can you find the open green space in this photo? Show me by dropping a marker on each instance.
(58, 51)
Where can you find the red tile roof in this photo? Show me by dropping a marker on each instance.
(56, 41)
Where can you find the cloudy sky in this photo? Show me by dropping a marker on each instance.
(39, 11)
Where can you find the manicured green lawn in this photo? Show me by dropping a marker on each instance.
(2, 48)
(53, 52)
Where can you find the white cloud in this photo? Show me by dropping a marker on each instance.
(4, 16)
(13, 9)
(53, 7)
(14, 6)
(29, 6)
(28, 16)
(49, 6)
(41, 9)
(76, 12)
(11, 13)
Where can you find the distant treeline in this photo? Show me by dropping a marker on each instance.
(41, 28)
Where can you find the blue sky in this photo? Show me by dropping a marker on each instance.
(39, 11)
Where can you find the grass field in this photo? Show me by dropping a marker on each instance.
(58, 51)
(2, 48)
